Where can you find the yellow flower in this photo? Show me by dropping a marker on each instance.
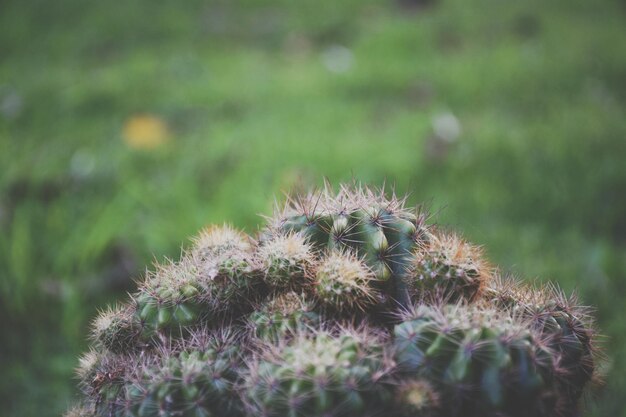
(145, 131)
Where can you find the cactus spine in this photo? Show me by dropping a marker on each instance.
(348, 304)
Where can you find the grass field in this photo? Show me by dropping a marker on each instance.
(125, 127)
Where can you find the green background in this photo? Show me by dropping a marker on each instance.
(506, 118)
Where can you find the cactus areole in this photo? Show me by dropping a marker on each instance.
(345, 304)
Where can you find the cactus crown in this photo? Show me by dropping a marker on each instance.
(348, 304)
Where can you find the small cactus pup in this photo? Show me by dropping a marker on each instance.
(216, 278)
(448, 267)
(568, 327)
(487, 360)
(117, 329)
(321, 374)
(195, 378)
(280, 317)
(342, 282)
(226, 261)
(171, 297)
(101, 376)
(286, 261)
(345, 305)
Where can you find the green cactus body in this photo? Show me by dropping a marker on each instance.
(283, 316)
(117, 330)
(571, 338)
(343, 282)
(286, 262)
(171, 299)
(101, 377)
(348, 305)
(565, 326)
(320, 375)
(218, 277)
(194, 383)
(226, 264)
(448, 267)
(489, 362)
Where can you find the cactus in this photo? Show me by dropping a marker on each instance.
(117, 329)
(286, 261)
(101, 376)
(282, 316)
(378, 229)
(567, 327)
(343, 281)
(346, 305)
(195, 380)
(488, 359)
(448, 267)
(320, 374)
(79, 411)
(172, 297)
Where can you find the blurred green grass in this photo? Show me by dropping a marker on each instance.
(507, 118)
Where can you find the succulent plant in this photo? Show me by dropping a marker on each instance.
(286, 261)
(320, 374)
(447, 266)
(282, 316)
(117, 329)
(343, 283)
(379, 230)
(566, 326)
(79, 410)
(488, 360)
(347, 304)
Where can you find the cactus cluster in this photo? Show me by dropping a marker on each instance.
(347, 304)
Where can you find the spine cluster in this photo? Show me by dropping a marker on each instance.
(348, 304)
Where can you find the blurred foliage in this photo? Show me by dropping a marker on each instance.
(125, 127)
